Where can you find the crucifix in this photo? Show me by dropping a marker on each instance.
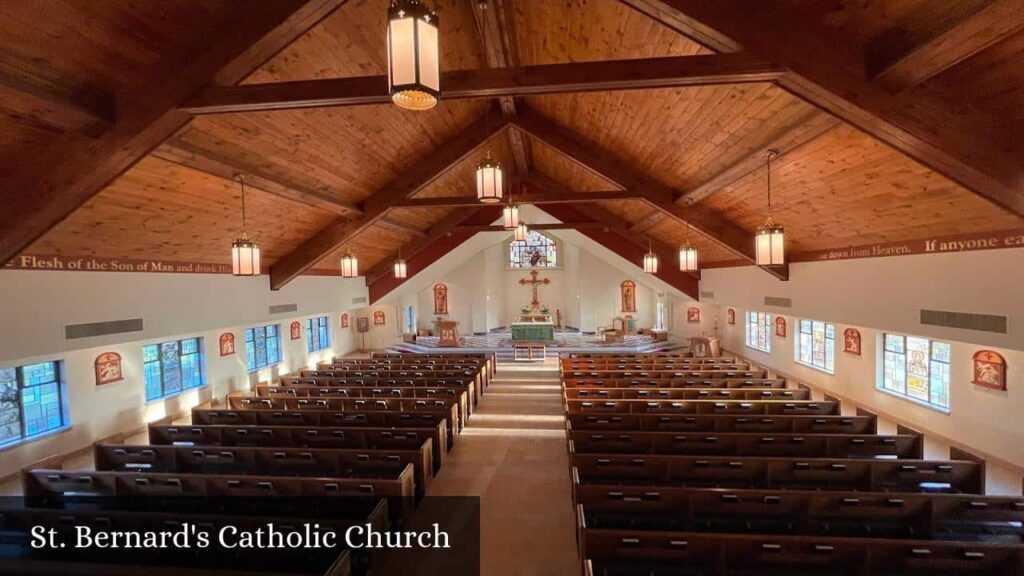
(534, 282)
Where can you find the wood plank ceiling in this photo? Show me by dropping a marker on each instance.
(836, 186)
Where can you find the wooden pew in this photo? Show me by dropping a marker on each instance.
(266, 461)
(958, 476)
(349, 379)
(638, 553)
(865, 423)
(460, 393)
(490, 358)
(448, 409)
(760, 407)
(686, 394)
(707, 383)
(42, 482)
(964, 517)
(434, 424)
(667, 374)
(679, 357)
(298, 437)
(909, 446)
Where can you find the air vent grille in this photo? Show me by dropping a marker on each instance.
(359, 300)
(778, 302)
(707, 294)
(966, 321)
(282, 308)
(75, 331)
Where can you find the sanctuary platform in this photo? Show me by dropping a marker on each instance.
(500, 342)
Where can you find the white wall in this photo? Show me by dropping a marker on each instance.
(39, 304)
(481, 287)
(885, 294)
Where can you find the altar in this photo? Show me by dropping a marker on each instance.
(532, 332)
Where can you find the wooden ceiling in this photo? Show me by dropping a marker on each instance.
(906, 126)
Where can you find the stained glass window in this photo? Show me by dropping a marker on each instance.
(759, 334)
(318, 334)
(31, 401)
(816, 345)
(173, 367)
(537, 251)
(916, 368)
(262, 347)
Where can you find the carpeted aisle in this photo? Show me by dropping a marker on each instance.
(513, 455)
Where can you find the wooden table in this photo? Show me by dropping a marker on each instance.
(529, 347)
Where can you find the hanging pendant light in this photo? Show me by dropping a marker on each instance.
(245, 253)
(349, 265)
(688, 255)
(413, 55)
(650, 259)
(488, 180)
(771, 239)
(521, 232)
(401, 267)
(510, 215)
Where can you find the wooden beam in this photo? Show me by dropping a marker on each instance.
(538, 227)
(528, 198)
(214, 163)
(419, 176)
(429, 251)
(671, 72)
(602, 218)
(652, 219)
(441, 228)
(693, 29)
(807, 128)
(959, 144)
(911, 53)
(495, 29)
(605, 164)
(50, 185)
(401, 228)
(619, 241)
(91, 112)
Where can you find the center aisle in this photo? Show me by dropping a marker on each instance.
(513, 456)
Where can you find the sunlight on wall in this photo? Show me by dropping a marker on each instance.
(155, 411)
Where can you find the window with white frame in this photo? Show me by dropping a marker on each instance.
(816, 345)
(916, 368)
(32, 401)
(759, 334)
(173, 367)
(318, 333)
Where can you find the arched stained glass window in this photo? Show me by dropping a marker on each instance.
(537, 251)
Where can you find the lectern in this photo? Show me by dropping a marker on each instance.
(449, 334)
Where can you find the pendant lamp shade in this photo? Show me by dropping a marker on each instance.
(688, 258)
(521, 232)
(510, 217)
(413, 55)
(349, 266)
(771, 244)
(651, 263)
(650, 259)
(770, 241)
(245, 257)
(401, 269)
(245, 253)
(489, 180)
